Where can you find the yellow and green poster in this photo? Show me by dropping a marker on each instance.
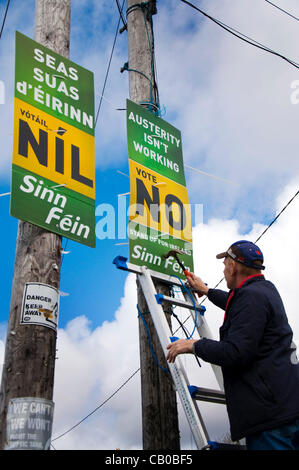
(160, 214)
(53, 166)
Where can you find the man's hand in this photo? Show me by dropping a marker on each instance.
(197, 284)
(179, 346)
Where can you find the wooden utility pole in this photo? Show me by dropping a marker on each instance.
(28, 369)
(159, 406)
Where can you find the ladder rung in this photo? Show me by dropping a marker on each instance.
(122, 263)
(207, 394)
(179, 302)
(212, 445)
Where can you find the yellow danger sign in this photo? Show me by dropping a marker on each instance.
(53, 149)
(159, 203)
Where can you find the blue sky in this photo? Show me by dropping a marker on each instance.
(233, 106)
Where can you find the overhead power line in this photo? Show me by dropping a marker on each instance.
(98, 407)
(278, 215)
(4, 19)
(121, 14)
(281, 9)
(109, 63)
(242, 36)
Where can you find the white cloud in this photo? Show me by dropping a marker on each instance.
(231, 101)
(91, 366)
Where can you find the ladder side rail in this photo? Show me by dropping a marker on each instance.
(204, 331)
(177, 371)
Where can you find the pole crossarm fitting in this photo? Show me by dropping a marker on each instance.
(150, 7)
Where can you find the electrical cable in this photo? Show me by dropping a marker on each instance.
(281, 9)
(150, 342)
(108, 68)
(185, 331)
(97, 408)
(154, 93)
(192, 300)
(278, 215)
(181, 324)
(242, 36)
(121, 14)
(126, 67)
(4, 19)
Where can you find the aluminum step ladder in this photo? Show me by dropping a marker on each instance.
(188, 394)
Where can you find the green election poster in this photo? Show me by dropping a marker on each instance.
(160, 214)
(53, 164)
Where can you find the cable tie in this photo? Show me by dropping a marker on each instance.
(121, 173)
(59, 76)
(59, 131)
(210, 175)
(58, 185)
(63, 294)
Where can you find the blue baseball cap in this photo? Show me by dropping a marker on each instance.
(244, 252)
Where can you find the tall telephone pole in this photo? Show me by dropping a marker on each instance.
(159, 406)
(29, 363)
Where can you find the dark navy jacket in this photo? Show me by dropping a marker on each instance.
(258, 359)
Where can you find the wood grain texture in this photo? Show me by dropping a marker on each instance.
(160, 429)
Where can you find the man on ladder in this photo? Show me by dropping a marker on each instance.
(256, 353)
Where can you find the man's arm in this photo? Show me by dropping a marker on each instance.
(217, 296)
(181, 346)
(242, 341)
